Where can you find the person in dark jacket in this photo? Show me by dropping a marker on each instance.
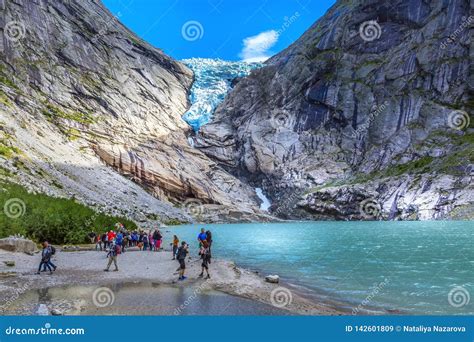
(45, 258)
(181, 256)
(209, 239)
(205, 253)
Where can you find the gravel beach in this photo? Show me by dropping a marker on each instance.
(85, 268)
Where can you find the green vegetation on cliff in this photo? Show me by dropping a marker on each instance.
(42, 217)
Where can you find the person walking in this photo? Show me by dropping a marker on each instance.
(50, 263)
(112, 255)
(175, 245)
(157, 237)
(209, 239)
(110, 236)
(125, 241)
(45, 258)
(151, 241)
(98, 242)
(104, 240)
(202, 237)
(92, 235)
(145, 241)
(181, 256)
(205, 254)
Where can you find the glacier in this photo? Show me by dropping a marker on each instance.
(213, 78)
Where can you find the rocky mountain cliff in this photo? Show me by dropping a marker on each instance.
(89, 110)
(367, 116)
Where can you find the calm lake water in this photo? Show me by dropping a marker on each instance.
(141, 298)
(414, 267)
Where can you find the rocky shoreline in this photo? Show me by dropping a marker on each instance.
(86, 268)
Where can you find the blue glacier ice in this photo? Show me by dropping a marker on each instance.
(212, 82)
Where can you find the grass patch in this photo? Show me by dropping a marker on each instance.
(5, 80)
(53, 113)
(7, 150)
(173, 222)
(415, 166)
(58, 220)
(5, 100)
(73, 134)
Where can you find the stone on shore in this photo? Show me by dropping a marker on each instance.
(274, 279)
(9, 263)
(20, 245)
(56, 312)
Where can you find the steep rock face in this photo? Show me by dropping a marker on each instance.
(371, 103)
(78, 89)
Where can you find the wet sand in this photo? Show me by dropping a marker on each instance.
(146, 284)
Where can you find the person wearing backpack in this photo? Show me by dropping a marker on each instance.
(50, 263)
(145, 241)
(205, 253)
(112, 255)
(104, 240)
(46, 258)
(181, 256)
(92, 236)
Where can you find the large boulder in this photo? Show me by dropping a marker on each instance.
(20, 245)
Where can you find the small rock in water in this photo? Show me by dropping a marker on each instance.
(272, 279)
(9, 263)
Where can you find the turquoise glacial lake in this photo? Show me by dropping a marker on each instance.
(420, 267)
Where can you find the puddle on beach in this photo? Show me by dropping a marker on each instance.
(144, 298)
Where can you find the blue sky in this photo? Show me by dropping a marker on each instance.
(249, 30)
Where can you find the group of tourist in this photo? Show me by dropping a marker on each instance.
(116, 241)
(143, 240)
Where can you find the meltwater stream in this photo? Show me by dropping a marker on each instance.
(422, 267)
(213, 79)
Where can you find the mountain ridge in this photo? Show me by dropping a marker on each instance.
(365, 107)
(93, 112)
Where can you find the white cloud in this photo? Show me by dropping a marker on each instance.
(257, 48)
